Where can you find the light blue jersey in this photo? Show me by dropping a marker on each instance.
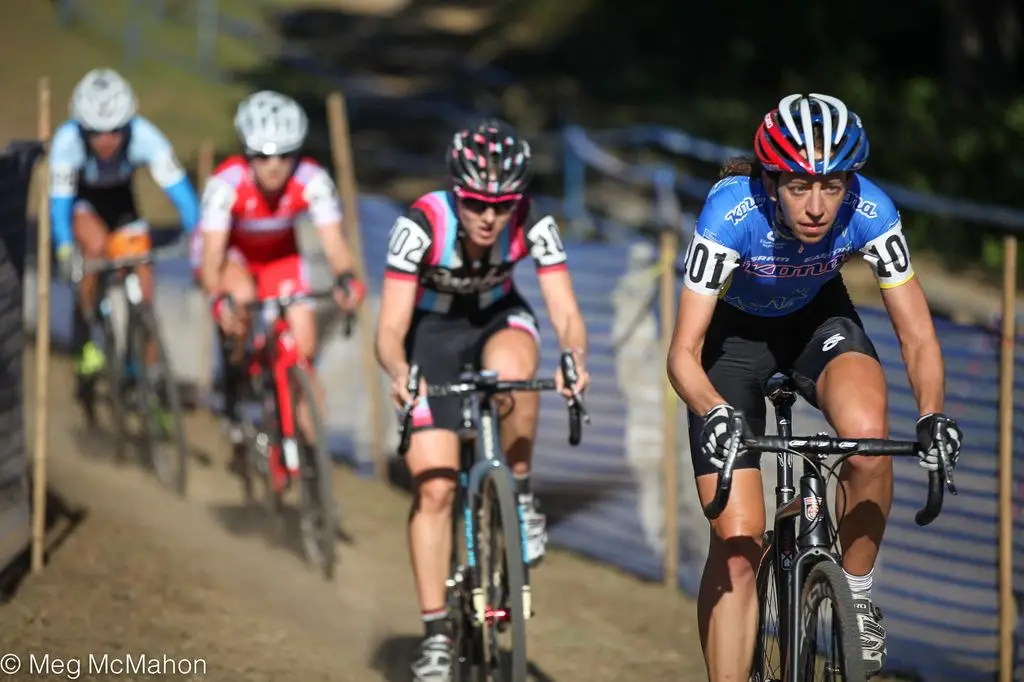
(741, 255)
(75, 171)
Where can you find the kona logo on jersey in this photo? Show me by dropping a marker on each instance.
(868, 209)
(740, 210)
(779, 271)
(445, 282)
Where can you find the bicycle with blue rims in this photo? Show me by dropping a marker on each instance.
(489, 580)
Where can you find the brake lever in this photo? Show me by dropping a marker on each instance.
(571, 376)
(947, 468)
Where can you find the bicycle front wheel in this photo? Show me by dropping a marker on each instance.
(769, 648)
(500, 581)
(830, 647)
(160, 402)
(317, 514)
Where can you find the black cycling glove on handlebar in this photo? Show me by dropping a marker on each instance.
(934, 431)
(715, 434)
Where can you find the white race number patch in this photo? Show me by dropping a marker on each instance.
(889, 257)
(406, 245)
(708, 265)
(215, 205)
(545, 243)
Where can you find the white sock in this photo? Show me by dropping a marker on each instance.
(860, 584)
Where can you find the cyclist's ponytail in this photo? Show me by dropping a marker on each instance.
(741, 166)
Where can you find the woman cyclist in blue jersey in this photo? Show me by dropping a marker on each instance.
(763, 294)
(448, 299)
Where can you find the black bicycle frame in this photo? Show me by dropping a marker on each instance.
(481, 456)
(796, 553)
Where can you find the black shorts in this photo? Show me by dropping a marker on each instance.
(742, 351)
(443, 345)
(113, 205)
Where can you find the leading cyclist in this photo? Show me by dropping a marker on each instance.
(448, 299)
(93, 158)
(246, 246)
(763, 294)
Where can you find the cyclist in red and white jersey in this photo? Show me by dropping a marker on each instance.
(246, 247)
(448, 300)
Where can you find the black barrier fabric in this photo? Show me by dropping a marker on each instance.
(16, 163)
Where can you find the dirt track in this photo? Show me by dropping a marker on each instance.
(143, 572)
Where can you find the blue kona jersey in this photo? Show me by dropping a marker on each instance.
(740, 254)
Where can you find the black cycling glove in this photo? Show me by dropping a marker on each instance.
(715, 439)
(935, 431)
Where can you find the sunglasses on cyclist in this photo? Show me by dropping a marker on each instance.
(263, 157)
(479, 206)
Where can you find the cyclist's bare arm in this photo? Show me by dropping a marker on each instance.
(215, 245)
(912, 321)
(397, 300)
(904, 299)
(215, 223)
(564, 310)
(336, 249)
(685, 370)
(325, 212)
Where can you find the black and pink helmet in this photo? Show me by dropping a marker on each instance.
(489, 161)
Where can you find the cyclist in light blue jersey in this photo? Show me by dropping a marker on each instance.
(763, 294)
(93, 158)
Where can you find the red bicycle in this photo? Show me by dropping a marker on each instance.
(281, 447)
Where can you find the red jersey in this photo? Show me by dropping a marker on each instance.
(263, 229)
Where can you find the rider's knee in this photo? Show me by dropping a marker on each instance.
(736, 556)
(435, 495)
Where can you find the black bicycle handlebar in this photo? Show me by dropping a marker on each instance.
(489, 384)
(821, 446)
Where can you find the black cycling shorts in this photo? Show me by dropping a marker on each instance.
(743, 351)
(113, 205)
(444, 345)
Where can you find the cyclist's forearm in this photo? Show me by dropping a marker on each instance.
(60, 217)
(927, 374)
(571, 333)
(390, 350)
(691, 382)
(183, 196)
(214, 248)
(336, 250)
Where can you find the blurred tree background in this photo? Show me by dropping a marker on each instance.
(937, 83)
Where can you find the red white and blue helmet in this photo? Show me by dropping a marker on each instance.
(489, 161)
(785, 138)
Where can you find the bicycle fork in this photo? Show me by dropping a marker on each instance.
(488, 464)
(795, 554)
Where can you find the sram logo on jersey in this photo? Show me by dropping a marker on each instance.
(445, 282)
(740, 210)
(782, 270)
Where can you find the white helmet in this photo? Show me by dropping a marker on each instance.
(271, 123)
(103, 101)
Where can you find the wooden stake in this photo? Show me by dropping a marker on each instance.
(669, 452)
(43, 257)
(341, 151)
(1007, 604)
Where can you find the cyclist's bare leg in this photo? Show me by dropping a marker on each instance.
(302, 321)
(91, 234)
(238, 283)
(145, 273)
(727, 601)
(513, 354)
(433, 461)
(851, 393)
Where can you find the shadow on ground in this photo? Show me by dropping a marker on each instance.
(393, 656)
(62, 520)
